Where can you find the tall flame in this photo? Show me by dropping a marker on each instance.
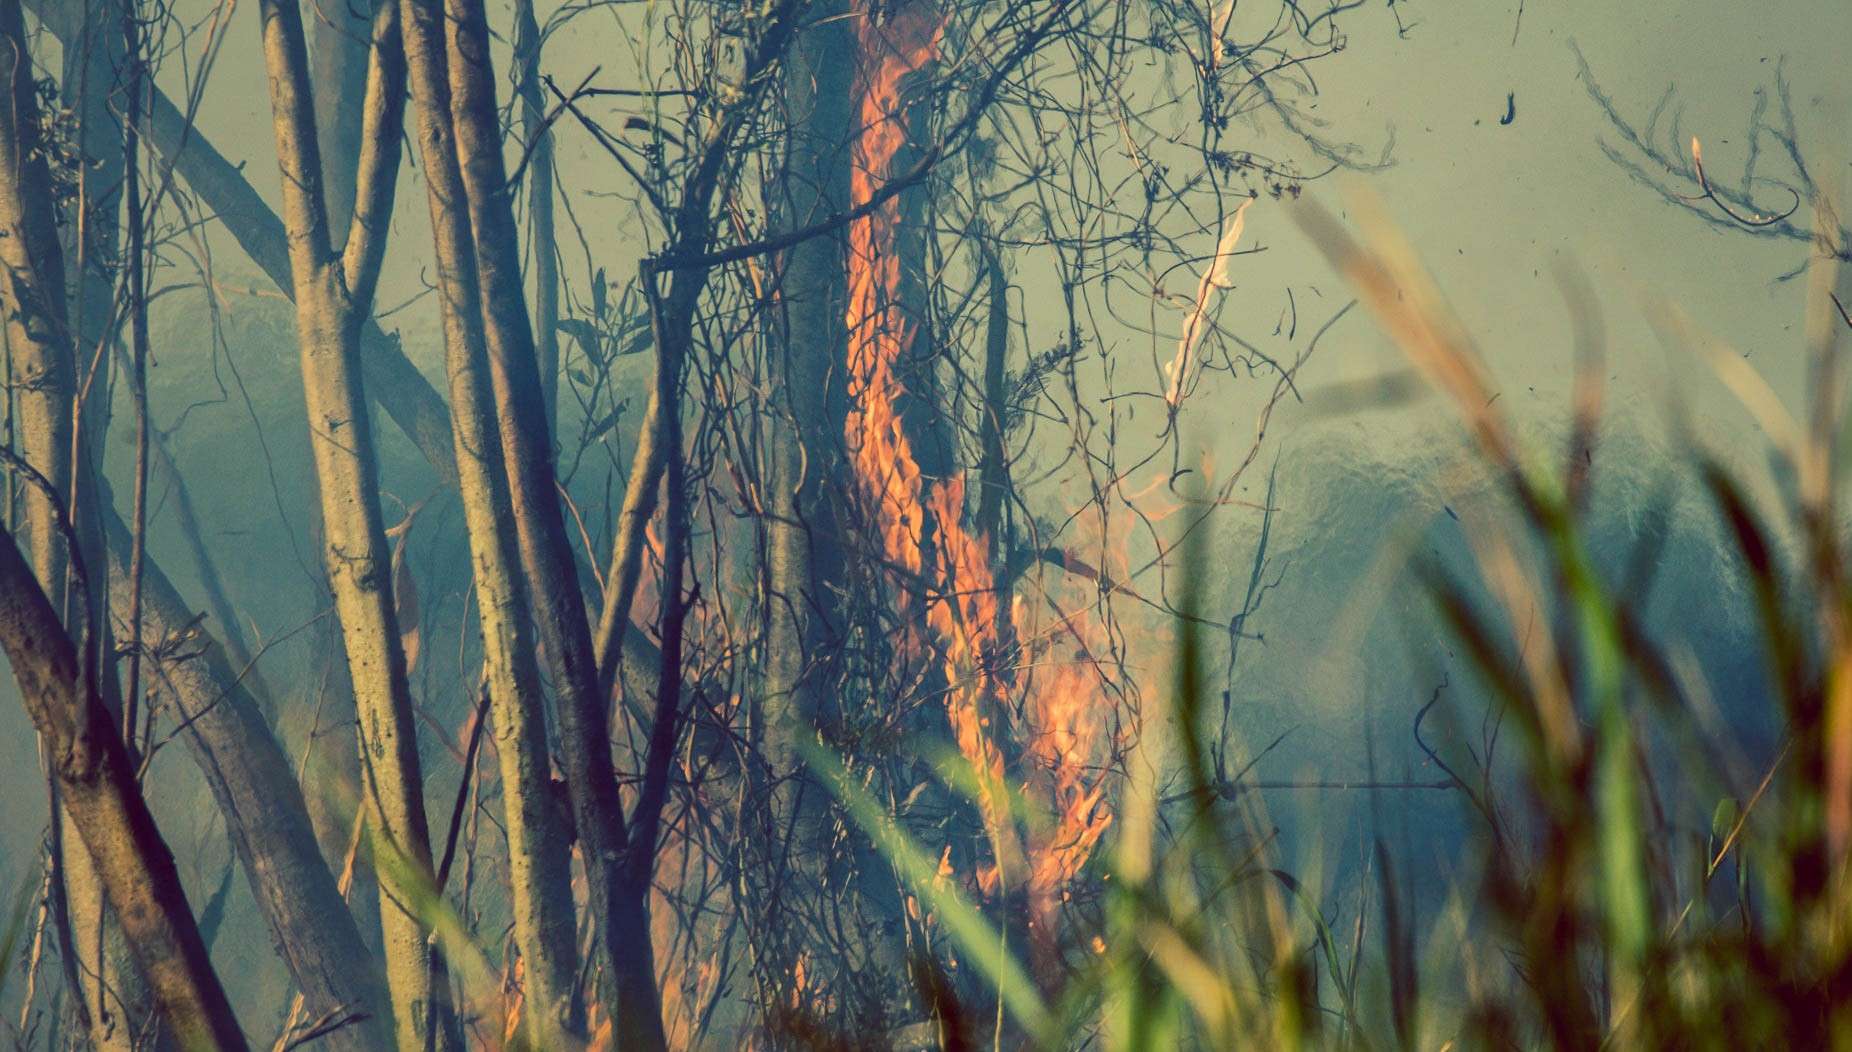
(879, 332)
(963, 613)
(1058, 730)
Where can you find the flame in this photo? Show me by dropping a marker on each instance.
(1059, 727)
(1065, 741)
(879, 332)
(963, 614)
(514, 1000)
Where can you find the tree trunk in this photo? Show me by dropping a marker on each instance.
(805, 369)
(265, 815)
(618, 903)
(61, 420)
(802, 578)
(332, 294)
(242, 763)
(97, 783)
(339, 32)
(390, 379)
(538, 859)
(38, 333)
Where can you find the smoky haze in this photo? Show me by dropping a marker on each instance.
(1472, 128)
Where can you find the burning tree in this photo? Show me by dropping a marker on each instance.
(875, 521)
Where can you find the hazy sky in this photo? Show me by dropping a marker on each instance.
(1491, 207)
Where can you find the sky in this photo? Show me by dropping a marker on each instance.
(1490, 207)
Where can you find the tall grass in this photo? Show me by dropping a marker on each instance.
(1632, 890)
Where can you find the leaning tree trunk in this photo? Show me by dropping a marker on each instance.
(98, 785)
(540, 867)
(247, 772)
(266, 817)
(333, 293)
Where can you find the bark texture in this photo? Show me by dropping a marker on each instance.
(804, 366)
(97, 783)
(62, 407)
(618, 900)
(333, 294)
(252, 780)
(539, 863)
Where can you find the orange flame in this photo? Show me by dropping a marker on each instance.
(1060, 731)
(878, 332)
(963, 615)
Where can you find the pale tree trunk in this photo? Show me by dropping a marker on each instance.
(339, 33)
(390, 379)
(388, 376)
(538, 860)
(333, 293)
(618, 901)
(97, 782)
(540, 234)
(31, 270)
(247, 773)
(804, 366)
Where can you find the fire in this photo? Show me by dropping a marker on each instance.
(1059, 729)
(878, 331)
(963, 615)
(1064, 729)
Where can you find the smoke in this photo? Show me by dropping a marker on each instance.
(1345, 650)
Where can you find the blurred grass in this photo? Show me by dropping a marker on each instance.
(1589, 921)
